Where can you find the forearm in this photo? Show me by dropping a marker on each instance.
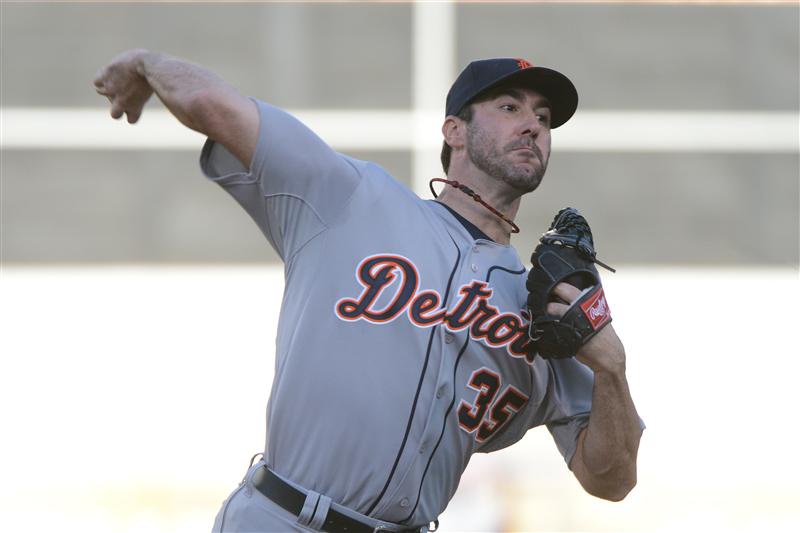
(197, 97)
(183, 87)
(610, 443)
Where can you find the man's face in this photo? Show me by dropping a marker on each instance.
(508, 137)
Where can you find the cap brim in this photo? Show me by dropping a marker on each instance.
(551, 84)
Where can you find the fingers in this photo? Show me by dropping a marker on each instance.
(99, 83)
(556, 309)
(126, 94)
(133, 116)
(116, 108)
(119, 108)
(101, 89)
(116, 111)
(561, 297)
(566, 293)
(100, 77)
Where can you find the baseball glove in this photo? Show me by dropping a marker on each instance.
(565, 254)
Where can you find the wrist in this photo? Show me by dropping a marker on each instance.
(604, 353)
(141, 59)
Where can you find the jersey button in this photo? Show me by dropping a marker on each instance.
(448, 338)
(404, 502)
(474, 267)
(440, 391)
(475, 248)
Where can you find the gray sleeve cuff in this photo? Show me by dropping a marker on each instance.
(565, 433)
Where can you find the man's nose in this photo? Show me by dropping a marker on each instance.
(532, 125)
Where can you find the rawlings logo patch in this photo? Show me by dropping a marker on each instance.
(595, 308)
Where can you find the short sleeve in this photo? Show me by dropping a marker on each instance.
(567, 401)
(573, 383)
(296, 185)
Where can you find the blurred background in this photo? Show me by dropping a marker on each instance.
(138, 302)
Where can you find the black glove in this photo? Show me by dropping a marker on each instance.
(565, 254)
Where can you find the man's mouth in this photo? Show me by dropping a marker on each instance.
(532, 149)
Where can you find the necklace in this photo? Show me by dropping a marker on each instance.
(472, 194)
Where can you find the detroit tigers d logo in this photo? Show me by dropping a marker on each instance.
(376, 274)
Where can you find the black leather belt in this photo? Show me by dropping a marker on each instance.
(293, 500)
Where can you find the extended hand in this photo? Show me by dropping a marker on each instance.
(122, 82)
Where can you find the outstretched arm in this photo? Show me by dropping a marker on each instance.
(605, 459)
(197, 97)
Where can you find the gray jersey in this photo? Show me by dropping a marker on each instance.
(401, 343)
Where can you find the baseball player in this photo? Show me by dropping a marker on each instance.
(405, 343)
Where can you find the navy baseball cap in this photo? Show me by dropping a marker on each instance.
(485, 74)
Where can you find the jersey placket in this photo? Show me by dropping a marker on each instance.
(453, 344)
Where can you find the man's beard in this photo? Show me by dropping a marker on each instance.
(485, 155)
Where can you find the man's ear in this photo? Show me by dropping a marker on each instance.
(454, 131)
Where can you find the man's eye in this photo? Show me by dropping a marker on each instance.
(543, 118)
(508, 107)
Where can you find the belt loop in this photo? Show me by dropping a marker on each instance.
(309, 507)
(320, 513)
(248, 476)
(253, 459)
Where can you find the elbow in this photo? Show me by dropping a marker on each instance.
(622, 492)
(613, 491)
(618, 493)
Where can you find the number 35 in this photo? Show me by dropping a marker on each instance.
(473, 417)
